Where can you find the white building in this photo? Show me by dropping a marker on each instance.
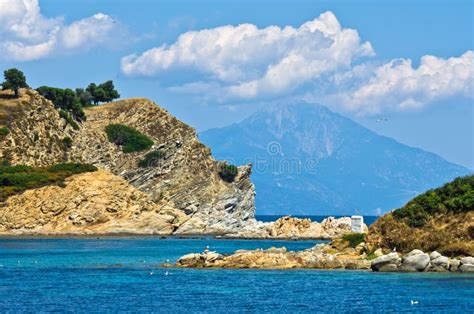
(357, 223)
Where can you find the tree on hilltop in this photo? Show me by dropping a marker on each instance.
(104, 92)
(14, 79)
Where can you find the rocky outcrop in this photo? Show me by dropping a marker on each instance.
(90, 203)
(389, 262)
(417, 260)
(185, 179)
(296, 228)
(318, 257)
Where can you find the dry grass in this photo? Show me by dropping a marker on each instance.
(451, 233)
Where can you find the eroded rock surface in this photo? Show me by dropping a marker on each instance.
(90, 203)
(290, 227)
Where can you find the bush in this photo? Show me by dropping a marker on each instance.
(4, 131)
(66, 116)
(130, 139)
(228, 172)
(72, 168)
(354, 239)
(64, 99)
(67, 142)
(456, 196)
(16, 179)
(151, 159)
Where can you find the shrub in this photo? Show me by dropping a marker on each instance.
(151, 159)
(455, 196)
(16, 179)
(66, 116)
(65, 99)
(130, 139)
(67, 142)
(4, 131)
(228, 172)
(14, 169)
(72, 168)
(354, 239)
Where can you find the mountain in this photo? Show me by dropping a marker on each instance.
(309, 160)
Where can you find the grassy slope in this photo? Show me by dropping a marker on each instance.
(441, 219)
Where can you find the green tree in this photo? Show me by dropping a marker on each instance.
(14, 79)
(104, 92)
(84, 97)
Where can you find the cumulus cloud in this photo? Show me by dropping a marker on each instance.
(319, 61)
(398, 86)
(247, 62)
(28, 35)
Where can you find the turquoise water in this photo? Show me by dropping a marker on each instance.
(123, 275)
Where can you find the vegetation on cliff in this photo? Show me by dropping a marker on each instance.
(228, 172)
(129, 138)
(441, 219)
(16, 179)
(455, 196)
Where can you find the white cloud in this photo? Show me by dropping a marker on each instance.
(28, 35)
(398, 86)
(318, 61)
(248, 62)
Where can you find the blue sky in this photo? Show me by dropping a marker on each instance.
(345, 57)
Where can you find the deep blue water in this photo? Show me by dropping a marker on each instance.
(266, 218)
(114, 275)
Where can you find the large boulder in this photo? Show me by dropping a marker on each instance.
(384, 263)
(416, 260)
(438, 262)
(467, 264)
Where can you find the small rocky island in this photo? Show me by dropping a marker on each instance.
(439, 222)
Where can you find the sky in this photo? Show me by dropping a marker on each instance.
(213, 63)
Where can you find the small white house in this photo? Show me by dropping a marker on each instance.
(357, 223)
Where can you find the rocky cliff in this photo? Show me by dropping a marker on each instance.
(185, 181)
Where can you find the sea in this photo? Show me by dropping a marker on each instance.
(124, 275)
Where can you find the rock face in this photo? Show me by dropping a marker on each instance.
(90, 203)
(290, 227)
(185, 179)
(319, 257)
(417, 260)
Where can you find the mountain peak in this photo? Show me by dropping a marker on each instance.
(311, 160)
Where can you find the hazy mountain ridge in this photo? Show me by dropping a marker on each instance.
(310, 160)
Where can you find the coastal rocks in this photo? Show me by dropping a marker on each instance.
(386, 263)
(295, 228)
(467, 264)
(418, 261)
(317, 257)
(89, 203)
